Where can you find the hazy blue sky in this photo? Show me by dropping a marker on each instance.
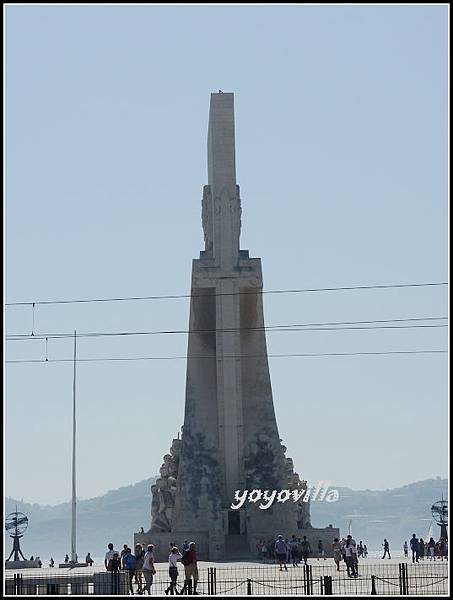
(341, 134)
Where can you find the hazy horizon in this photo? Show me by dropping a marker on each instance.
(332, 485)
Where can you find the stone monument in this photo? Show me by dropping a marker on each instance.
(230, 440)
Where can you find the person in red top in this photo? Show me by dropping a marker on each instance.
(189, 560)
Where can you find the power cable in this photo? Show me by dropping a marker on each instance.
(253, 292)
(132, 359)
(321, 326)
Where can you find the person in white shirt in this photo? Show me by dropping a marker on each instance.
(109, 556)
(148, 568)
(173, 558)
(351, 556)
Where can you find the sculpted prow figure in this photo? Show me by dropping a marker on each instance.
(295, 483)
(164, 490)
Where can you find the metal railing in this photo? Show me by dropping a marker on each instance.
(248, 579)
(101, 584)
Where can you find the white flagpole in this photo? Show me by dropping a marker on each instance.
(73, 528)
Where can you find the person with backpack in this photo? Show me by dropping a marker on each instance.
(189, 560)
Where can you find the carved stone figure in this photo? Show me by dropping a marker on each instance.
(302, 508)
(164, 491)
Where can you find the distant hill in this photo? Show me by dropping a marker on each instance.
(393, 514)
(115, 516)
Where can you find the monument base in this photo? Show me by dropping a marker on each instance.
(211, 547)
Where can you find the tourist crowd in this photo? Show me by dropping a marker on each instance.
(421, 549)
(140, 566)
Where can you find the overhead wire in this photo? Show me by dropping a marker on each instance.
(319, 326)
(235, 357)
(253, 292)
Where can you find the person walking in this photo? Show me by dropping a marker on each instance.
(414, 548)
(173, 557)
(360, 549)
(189, 560)
(139, 558)
(365, 551)
(281, 550)
(443, 549)
(405, 549)
(336, 547)
(148, 568)
(355, 558)
(350, 556)
(129, 563)
(294, 551)
(386, 548)
(431, 548)
(321, 550)
(305, 549)
(421, 549)
(343, 551)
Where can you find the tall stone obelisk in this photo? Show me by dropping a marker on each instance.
(230, 440)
